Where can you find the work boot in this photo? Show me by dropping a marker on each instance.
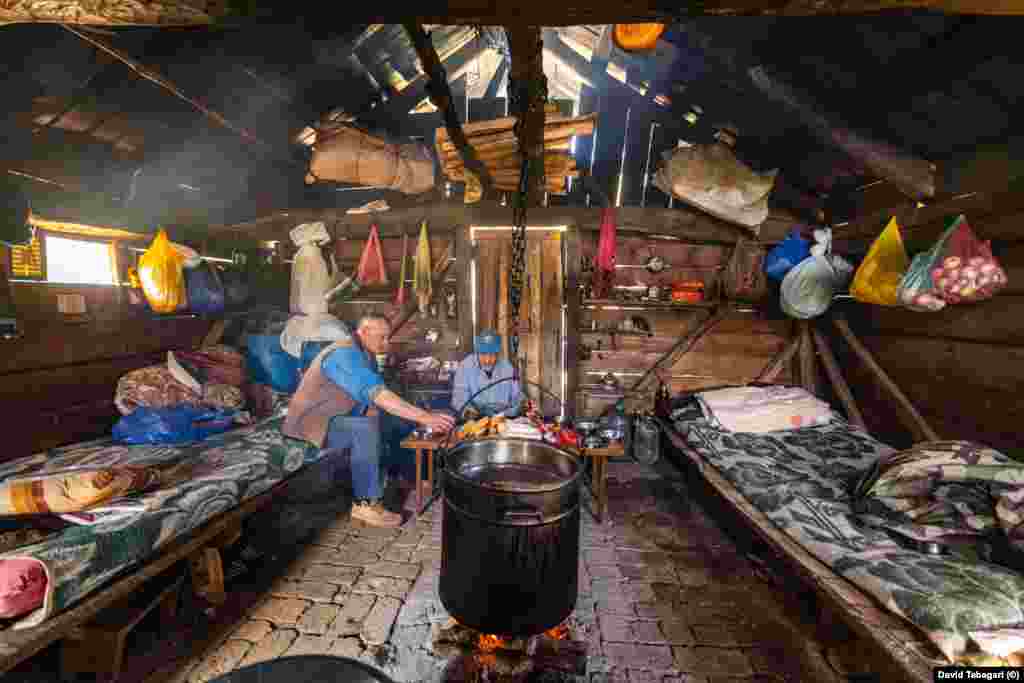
(374, 514)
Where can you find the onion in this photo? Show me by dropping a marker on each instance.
(952, 262)
(953, 298)
(976, 260)
(970, 272)
(955, 289)
(989, 267)
(953, 273)
(942, 283)
(998, 277)
(937, 273)
(984, 280)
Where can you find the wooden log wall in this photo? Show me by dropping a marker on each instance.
(735, 351)
(963, 367)
(57, 382)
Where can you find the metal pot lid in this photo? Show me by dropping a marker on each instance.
(513, 465)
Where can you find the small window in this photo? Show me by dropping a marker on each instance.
(81, 262)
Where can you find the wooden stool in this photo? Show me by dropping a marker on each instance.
(421, 446)
(98, 647)
(599, 477)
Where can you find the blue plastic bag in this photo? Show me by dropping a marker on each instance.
(177, 424)
(205, 290)
(786, 255)
(268, 363)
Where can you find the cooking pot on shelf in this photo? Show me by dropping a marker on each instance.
(586, 426)
(510, 535)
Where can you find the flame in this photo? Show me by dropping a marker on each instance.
(560, 632)
(488, 642)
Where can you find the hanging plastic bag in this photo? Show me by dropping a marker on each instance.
(786, 255)
(371, 269)
(310, 277)
(807, 289)
(917, 291)
(205, 291)
(878, 279)
(190, 258)
(178, 424)
(162, 276)
(966, 271)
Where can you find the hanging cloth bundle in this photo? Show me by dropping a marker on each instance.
(421, 278)
(400, 296)
(371, 264)
(604, 266)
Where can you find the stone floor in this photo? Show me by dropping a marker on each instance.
(664, 595)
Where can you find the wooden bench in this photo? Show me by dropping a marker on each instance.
(909, 655)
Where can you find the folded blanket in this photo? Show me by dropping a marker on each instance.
(759, 410)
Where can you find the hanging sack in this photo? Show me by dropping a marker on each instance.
(310, 277)
(423, 272)
(878, 279)
(205, 291)
(371, 264)
(786, 255)
(744, 277)
(807, 289)
(162, 277)
(966, 271)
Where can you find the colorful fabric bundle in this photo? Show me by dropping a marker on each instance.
(423, 270)
(152, 387)
(73, 490)
(604, 270)
(22, 586)
(162, 276)
(217, 364)
(371, 264)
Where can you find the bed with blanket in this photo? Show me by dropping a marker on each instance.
(868, 513)
(165, 492)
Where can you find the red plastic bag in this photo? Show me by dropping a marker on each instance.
(604, 271)
(966, 270)
(371, 265)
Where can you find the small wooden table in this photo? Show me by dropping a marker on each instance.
(598, 484)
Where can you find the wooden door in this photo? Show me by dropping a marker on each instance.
(541, 317)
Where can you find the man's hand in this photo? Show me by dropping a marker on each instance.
(439, 422)
(471, 413)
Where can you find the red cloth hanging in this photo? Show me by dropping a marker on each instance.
(400, 296)
(604, 265)
(371, 265)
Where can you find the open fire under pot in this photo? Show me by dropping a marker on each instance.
(510, 555)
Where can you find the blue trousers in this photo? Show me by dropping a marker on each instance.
(363, 436)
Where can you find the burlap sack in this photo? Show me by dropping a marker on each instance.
(348, 155)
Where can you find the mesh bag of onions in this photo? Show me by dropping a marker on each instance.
(959, 268)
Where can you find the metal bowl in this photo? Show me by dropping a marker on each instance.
(587, 426)
(611, 434)
(614, 421)
(594, 441)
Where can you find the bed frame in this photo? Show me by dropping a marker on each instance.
(18, 645)
(909, 656)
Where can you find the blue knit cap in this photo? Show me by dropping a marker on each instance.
(488, 341)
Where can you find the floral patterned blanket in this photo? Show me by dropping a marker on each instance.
(224, 471)
(803, 481)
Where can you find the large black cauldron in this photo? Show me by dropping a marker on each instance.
(511, 535)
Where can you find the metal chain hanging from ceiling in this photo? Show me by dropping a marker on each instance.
(524, 97)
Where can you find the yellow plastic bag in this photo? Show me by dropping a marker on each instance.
(878, 279)
(162, 277)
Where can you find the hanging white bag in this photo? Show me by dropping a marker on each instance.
(310, 276)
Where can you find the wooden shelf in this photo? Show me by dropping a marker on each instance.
(618, 333)
(647, 305)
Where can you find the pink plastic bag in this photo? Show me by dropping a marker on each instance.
(604, 271)
(966, 270)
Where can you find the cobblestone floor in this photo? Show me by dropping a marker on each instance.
(664, 595)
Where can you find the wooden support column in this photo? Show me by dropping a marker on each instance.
(463, 286)
(572, 253)
(835, 376)
(528, 88)
(913, 420)
(808, 369)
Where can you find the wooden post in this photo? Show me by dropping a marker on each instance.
(772, 370)
(835, 376)
(530, 89)
(572, 254)
(463, 286)
(808, 369)
(913, 420)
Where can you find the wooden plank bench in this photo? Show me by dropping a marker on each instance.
(18, 645)
(909, 655)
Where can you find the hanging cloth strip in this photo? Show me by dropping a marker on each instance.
(604, 266)
(371, 265)
(421, 277)
(400, 296)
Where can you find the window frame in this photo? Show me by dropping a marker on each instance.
(106, 241)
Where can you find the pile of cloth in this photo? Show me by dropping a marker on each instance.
(755, 410)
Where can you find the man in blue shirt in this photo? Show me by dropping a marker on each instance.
(481, 368)
(336, 407)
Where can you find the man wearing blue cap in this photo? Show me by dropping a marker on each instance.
(481, 368)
